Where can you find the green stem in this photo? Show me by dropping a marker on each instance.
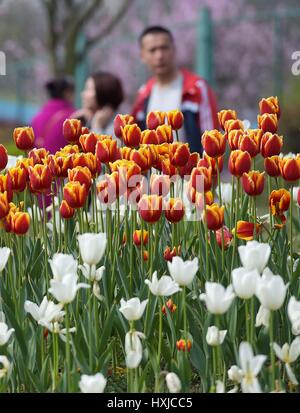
(157, 384)
(291, 232)
(271, 332)
(68, 349)
(235, 226)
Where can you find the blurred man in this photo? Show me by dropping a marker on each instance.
(173, 88)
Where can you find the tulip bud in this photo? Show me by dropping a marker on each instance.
(214, 163)
(268, 122)
(239, 162)
(164, 134)
(214, 143)
(131, 135)
(75, 194)
(179, 153)
(167, 168)
(17, 222)
(245, 230)
(149, 137)
(169, 255)
(290, 168)
(137, 237)
(234, 138)
(269, 105)
(40, 178)
(272, 166)
(4, 204)
(38, 156)
(150, 208)
(253, 182)
(107, 151)
(159, 185)
(250, 141)
(72, 130)
(227, 236)
(183, 345)
(144, 157)
(279, 201)
(173, 383)
(155, 119)
(271, 144)
(145, 255)
(81, 174)
(88, 142)
(214, 336)
(174, 210)
(190, 165)
(65, 210)
(171, 306)
(233, 124)
(201, 179)
(17, 178)
(3, 157)
(120, 121)
(24, 138)
(175, 119)
(6, 186)
(214, 216)
(225, 115)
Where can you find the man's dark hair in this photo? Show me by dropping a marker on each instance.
(155, 30)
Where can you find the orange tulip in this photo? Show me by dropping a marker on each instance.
(72, 130)
(175, 119)
(227, 236)
(155, 119)
(75, 194)
(225, 115)
(16, 221)
(169, 255)
(214, 143)
(167, 168)
(174, 210)
(179, 153)
(239, 162)
(150, 208)
(24, 138)
(88, 142)
(38, 156)
(40, 178)
(6, 186)
(135, 192)
(268, 122)
(4, 204)
(199, 200)
(159, 185)
(164, 134)
(271, 165)
(126, 169)
(120, 121)
(245, 230)
(213, 163)
(17, 178)
(149, 137)
(250, 141)
(138, 238)
(234, 137)
(3, 157)
(68, 150)
(233, 124)
(186, 170)
(201, 179)
(271, 144)
(81, 174)
(279, 202)
(214, 216)
(108, 188)
(144, 157)
(89, 160)
(183, 345)
(170, 305)
(131, 135)
(269, 105)
(290, 168)
(65, 210)
(60, 165)
(145, 255)
(107, 151)
(253, 182)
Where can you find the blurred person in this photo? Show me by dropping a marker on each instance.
(101, 97)
(173, 88)
(48, 122)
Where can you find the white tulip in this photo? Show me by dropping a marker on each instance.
(217, 298)
(92, 247)
(220, 388)
(251, 366)
(63, 264)
(133, 349)
(214, 336)
(271, 290)
(262, 317)
(90, 272)
(183, 272)
(173, 383)
(4, 255)
(92, 384)
(244, 282)
(235, 374)
(294, 315)
(226, 191)
(56, 328)
(165, 286)
(46, 313)
(288, 354)
(255, 255)
(295, 193)
(65, 290)
(6, 366)
(5, 333)
(133, 309)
